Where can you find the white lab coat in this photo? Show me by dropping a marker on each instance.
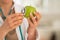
(24, 27)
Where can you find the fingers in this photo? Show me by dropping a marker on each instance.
(33, 19)
(30, 23)
(38, 16)
(14, 15)
(15, 24)
(15, 19)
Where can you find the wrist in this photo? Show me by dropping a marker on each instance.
(32, 34)
(5, 29)
(3, 32)
(31, 30)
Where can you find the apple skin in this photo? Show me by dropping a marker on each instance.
(28, 10)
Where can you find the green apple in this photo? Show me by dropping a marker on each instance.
(28, 10)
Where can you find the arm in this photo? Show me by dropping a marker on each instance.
(33, 22)
(32, 34)
(3, 32)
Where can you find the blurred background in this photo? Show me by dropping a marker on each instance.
(49, 27)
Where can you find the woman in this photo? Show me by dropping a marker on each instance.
(12, 20)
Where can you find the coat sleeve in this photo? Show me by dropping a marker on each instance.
(26, 25)
(38, 34)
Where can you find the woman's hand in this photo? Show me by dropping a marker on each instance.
(33, 22)
(12, 21)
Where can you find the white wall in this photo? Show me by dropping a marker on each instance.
(50, 11)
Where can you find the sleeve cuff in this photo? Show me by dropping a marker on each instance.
(38, 34)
